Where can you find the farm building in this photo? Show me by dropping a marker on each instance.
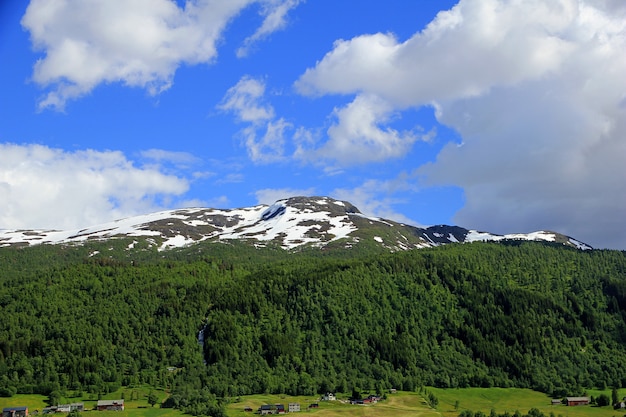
(577, 401)
(67, 408)
(110, 405)
(272, 409)
(15, 412)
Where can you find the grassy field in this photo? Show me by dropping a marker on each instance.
(401, 404)
(135, 403)
(409, 404)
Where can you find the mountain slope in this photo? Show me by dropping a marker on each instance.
(288, 223)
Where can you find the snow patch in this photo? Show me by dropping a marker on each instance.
(474, 236)
(579, 245)
(177, 241)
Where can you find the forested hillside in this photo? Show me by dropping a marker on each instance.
(527, 315)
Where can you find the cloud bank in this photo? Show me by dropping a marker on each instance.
(77, 189)
(535, 89)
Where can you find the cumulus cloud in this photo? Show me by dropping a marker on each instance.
(139, 43)
(264, 137)
(246, 100)
(359, 137)
(462, 53)
(44, 187)
(535, 90)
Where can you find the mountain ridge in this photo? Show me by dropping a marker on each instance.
(290, 223)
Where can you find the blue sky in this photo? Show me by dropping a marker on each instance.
(505, 116)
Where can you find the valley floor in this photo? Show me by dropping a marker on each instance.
(401, 404)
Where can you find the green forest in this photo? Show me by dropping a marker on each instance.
(96, 317)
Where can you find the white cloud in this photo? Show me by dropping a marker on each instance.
(44, 187)
(271, 195)
(358, 136)
(271, 146)
(139, 43)
(462, 53)
(535, 90)
(264, 138)
(275, 13)
(246, 100)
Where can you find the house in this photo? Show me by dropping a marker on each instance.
(329, 396)
(393, 391)
(15, 412)
(293, 407)
(64, 408)
(577, 401)
(556, 401)
(110, 405)
(272, 409)
(77, 407)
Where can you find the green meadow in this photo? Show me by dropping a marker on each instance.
(135, 403)
(451, 403)
(401, 404)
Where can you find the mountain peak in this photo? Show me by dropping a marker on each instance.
(289, 223)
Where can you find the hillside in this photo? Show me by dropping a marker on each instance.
(87, 318)
(293, 223)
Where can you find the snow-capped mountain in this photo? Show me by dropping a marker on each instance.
(288, 223)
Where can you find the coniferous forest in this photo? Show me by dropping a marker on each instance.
(96, 317)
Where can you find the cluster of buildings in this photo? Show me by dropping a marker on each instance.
(102, 405)
(266, 409)
(64, 408)
(276, 408)
(371, 399)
